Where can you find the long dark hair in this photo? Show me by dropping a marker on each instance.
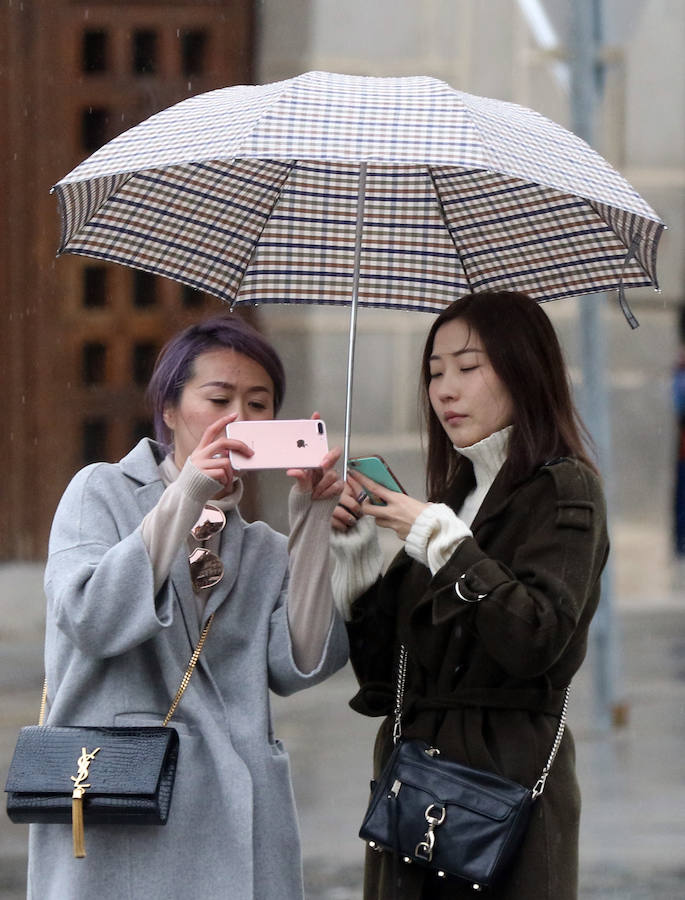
(523, 348)
(176, 362)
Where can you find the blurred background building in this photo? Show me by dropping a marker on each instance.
(79, 338)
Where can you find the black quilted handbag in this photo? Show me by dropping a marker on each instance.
(457, 821)
(96, 775)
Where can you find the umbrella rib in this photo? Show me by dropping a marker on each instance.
(288, 172)
(443, 216)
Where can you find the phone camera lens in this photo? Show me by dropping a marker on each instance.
(320, 427)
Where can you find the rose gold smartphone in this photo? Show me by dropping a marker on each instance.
(279, 443)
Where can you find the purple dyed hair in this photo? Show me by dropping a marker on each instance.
(175, 363)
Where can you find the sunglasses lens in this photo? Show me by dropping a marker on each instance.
(206, 569)
(211, 521)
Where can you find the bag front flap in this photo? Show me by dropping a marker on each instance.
(448, 782)
(129, 761)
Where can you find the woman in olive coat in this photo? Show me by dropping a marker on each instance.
(495, 588)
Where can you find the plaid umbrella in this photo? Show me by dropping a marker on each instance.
(337, 189)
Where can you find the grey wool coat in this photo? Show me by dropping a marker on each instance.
(485, 679)
(115, 655)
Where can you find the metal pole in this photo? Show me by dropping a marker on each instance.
(586, 85)
(361, 194)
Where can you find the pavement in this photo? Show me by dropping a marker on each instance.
(632, 777)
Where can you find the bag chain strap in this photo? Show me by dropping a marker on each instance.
(399, 694)
(179, 693)
(189, 671)
(399, 701)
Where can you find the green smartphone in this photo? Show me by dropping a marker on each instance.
(376, 468)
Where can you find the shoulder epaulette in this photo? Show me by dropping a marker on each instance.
(575, 494)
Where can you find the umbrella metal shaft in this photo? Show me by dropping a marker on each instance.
(359, 228)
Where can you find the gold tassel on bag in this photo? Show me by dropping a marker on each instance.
(77, 829)
(77, 823)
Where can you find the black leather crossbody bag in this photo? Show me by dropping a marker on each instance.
(96, 775)
(457, 821)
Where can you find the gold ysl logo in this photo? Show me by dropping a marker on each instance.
(84, 761)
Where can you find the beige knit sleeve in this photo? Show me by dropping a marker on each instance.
(310, 598)
(166, 526)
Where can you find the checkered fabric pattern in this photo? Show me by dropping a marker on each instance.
(251, 193)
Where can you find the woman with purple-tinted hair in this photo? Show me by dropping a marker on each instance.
(132, 579)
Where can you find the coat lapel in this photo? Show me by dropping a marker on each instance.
(179, 575)
(495, 501)
(141, 464)
(230, 552)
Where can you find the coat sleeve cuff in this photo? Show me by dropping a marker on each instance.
(468, 578)
(196, 484)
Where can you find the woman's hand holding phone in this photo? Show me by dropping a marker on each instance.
(324, 482)
(211, 454)
(349, 510)
(399, 511)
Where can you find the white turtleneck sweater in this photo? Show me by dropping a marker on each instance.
(438, 530)
(434, 536)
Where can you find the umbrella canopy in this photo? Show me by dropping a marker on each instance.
(390, 192)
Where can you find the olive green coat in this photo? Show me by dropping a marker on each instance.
(485, 680)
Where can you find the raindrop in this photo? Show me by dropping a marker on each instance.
(178, 32)
(190, 85)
